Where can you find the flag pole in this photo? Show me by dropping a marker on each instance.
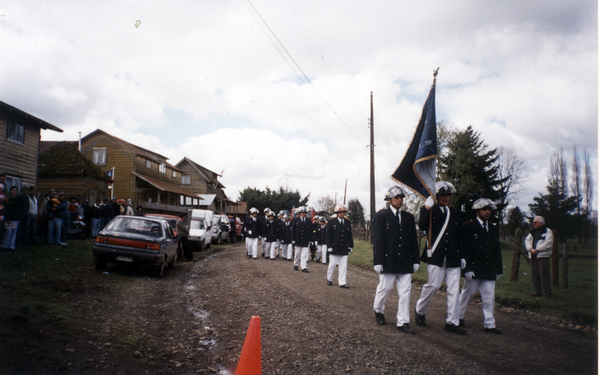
(435, 73)
(372, 170)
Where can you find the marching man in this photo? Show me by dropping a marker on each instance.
(319, 239)
(252, 232)
(338, 236)
(480, 244)
(301, 232)
(395, 257)
(270, 234)
(285, 235)
(442, 256)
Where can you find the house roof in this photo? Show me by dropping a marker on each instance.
(165, 186)
(200, 169)
(16, 112)
(64, 159)
(207, 199)
(135, 149)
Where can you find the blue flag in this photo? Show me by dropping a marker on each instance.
(417, 171)
(110, 173)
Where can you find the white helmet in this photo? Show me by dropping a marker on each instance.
(302, 209)
(340, 208)
(322, 219)
(271, 213)
(482, 203)
(316, 218)
(253, 210)
(444, 187)
(394, 192)
(266, 210)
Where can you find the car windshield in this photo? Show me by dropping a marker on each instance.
(172, 222)
(197, 224)
(127, 225)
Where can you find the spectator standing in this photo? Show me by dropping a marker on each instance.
(182, 235)
(395, 257)
(233, 231)
(3, 203)
(139, 211)
(30, 225)
(106, 213)
(116, 208)
(128, 208)
(95, 215)
(43, 227)
(54, 217)
(14, 211)
(338, 235)
(539, 245)
(480, 243)
(65, 215)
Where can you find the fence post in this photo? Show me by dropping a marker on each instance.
(555, 259)
(516, 261)
(565, 283)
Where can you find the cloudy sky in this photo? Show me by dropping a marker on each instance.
(277, 93)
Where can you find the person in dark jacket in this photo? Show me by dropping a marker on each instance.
(338, 235)
(395, 257)
(233, 231)
(301, 232)
(106, 212)
(270, 234)
(319, 239)
(285, 236)
(480, 244)
(442, 256)
(13, 212)
(54, 210)
(251, 232)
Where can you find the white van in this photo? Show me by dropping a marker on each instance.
(201, 228)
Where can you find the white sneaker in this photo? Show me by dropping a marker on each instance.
(63, 243)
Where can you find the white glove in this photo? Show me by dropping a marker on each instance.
(330, 250)
(249, 232)
(310, 243)
(469, 275)
(415, 267)
(293, 242)
(378, 268)
(429, 202)
(350, 249)
(463, 264)
(316, 243)
(498, 276)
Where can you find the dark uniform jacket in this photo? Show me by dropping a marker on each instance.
(252, 228)
(481, 250)
(285, 232)
(338, 237)
(395, 245)
(318, 235)
(271, 230)
(449, 244)
(301, 231)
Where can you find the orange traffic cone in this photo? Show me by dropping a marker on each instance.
(249, 363)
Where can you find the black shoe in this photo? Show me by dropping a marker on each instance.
(406, 328)
(461, 322)
(420, 319)
(380, 319)
(304, 270)
(295, 268)
(263, 255)
(454, 329)
(492, 330)
(344, 286)
(329, 283)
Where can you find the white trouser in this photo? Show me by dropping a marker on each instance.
(286, 250)
(279, 249)
(386, 284)
(252, 246)
(272, 249)
(343, 268)
(322, 253)
(301, 256)
(436, 276)
(248, 251)
(264, 246)
(486, 288)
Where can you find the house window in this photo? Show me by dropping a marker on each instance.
(162, 168)
(99, 156)
(148, 164)
(16, 131)
(12, 181)
(174, 174)
(185, 180)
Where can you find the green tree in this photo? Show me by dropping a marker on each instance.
(356, 213)
(276, 200)
(557, 207)
(516, 219)
(472, 168)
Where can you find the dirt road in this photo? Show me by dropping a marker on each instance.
(195, 319)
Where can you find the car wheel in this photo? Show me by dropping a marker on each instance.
(100, 265)
(173, 261)
(160, 270)
(202, 245)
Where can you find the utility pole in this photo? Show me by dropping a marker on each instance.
(372, 171)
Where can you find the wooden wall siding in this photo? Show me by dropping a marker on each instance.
(80, 187)
(198, 183)
(19, 160)
(153, 171)
(116, 156)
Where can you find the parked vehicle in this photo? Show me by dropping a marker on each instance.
(201, 228)
(171, 219)
(136, 240)
(238, 225)
(221, 229)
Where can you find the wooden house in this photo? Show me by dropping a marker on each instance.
(19, 147)
(141, 175)
(63, 168)
(205, 183)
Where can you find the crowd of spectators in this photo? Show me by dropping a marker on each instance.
(25, 221)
